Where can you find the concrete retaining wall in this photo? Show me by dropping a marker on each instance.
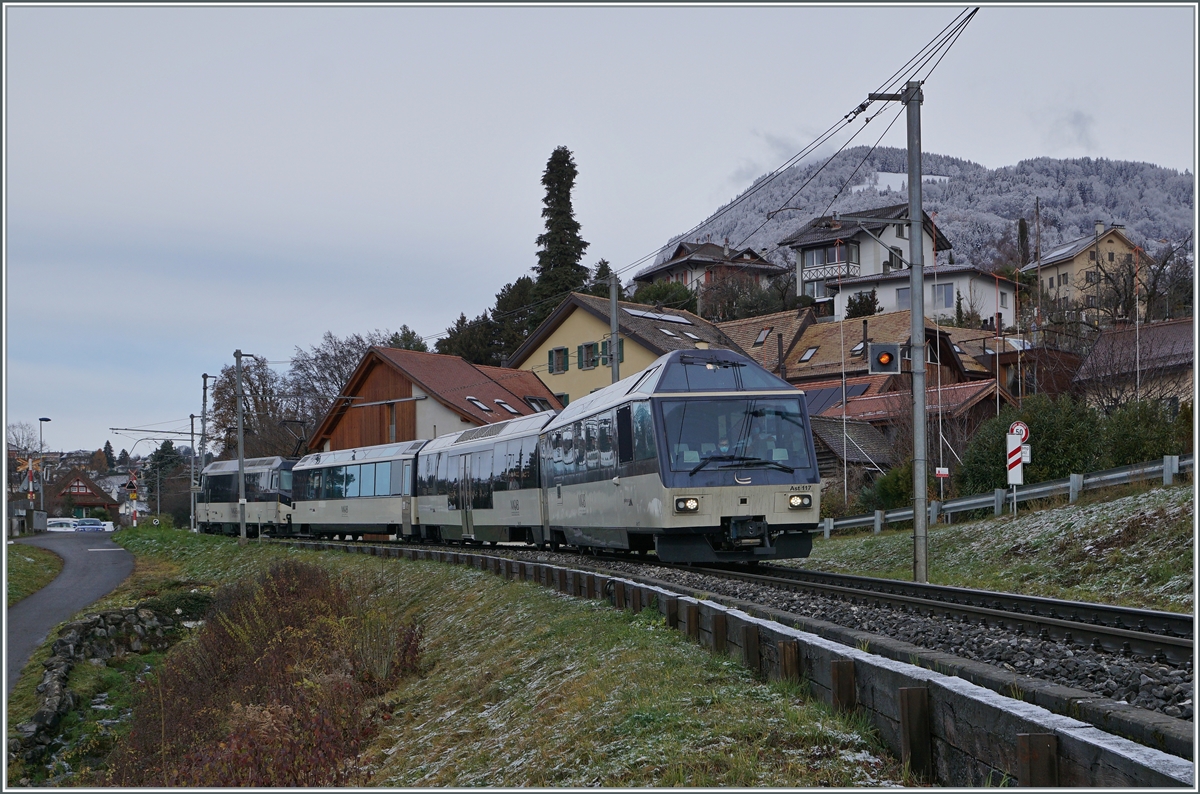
(952, 731)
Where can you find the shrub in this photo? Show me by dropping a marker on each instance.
(1138, 432)
(274, 689)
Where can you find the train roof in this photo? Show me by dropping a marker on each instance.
(708, 371)
(254, 465)
(361, 454)
(511, 427)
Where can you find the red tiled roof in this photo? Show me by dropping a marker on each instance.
(1152, 346)
(744, 333)
(886, 407)
(450, 380)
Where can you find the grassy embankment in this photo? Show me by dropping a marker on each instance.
(29, 569)
(520, 686)
(1135, 549)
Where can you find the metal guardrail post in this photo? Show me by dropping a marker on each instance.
(878, 521)
(1076, 487)
(828, 527)
(935, 510)
(1170, 469)
(998, 501)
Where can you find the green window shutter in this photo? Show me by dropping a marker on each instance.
(566, 354)
(579, 356)
(621, 350)
(604, 354)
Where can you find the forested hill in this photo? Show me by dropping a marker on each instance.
(975, 205)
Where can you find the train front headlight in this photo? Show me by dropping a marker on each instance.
(799, 501)
(687, 504)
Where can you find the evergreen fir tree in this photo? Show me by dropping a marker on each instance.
(511, 315)
(109, 455)
(560, 247)
(1022, 242)
(473, 340)
(408, 339)
(599, 286)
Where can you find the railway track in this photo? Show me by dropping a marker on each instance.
(1147, 634)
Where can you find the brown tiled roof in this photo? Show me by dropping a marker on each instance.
(58, 489)
(450, 380)
(972, 342)
(709, 255)
(1152, 346)
(830, 339)
(790, 323)
(825, 230)
(864, 444)
(954, 399)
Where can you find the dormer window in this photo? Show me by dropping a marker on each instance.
(507, 407)
(762, 336)
(538, 403)
(812, 351)
(480, 404)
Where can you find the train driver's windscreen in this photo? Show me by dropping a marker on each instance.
(746, 433)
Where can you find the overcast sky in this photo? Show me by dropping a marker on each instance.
(181, 182)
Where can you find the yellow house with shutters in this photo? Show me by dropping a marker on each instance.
(569, 350)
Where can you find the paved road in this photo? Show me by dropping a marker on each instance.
(93, 566)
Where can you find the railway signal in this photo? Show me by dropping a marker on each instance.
(883, 358)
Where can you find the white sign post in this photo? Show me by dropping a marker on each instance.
(1016, 475)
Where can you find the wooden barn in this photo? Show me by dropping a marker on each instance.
(403, 395)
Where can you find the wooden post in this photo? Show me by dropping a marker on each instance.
(718, 631)
(636, 599)
(590, 584)
(1037, 760)
(671, 605)
(845, 696)
(789, 660)
(619, 594)
(562, 580)
(691, 611)
(750, 656)
(916, 749)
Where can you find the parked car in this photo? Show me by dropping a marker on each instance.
(108, 526)
(89, 525)
(60, 525)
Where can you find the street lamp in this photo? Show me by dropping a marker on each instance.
(42, 473)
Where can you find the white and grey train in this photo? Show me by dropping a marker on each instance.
(704, 456)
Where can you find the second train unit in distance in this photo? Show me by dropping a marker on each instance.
(704, 456)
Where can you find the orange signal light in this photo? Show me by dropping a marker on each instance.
(885, 358)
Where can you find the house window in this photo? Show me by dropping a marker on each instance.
(808, 354)
(1090, 300)
(1091, 276)
(1111, 256)
(480, 404)
(903, 299)
(1062, 279)
(1003, 300)
(943, 296)
(538, 404)
(78, 487)
(1128, 259)
(559, 360)
(814, 289)
(586, 355)
(901, 230)
(1092, 255)
(836, 254)
(762, 336)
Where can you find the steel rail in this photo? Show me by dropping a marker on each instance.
(1164, 636)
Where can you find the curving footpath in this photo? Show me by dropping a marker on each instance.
(93, 566)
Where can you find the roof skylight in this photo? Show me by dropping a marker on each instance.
(663, 318)
(480, 404)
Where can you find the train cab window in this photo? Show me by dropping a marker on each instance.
(285, 480)
(644, 445)
(366, 485)
(353, 481)
(699, 374)
(624, 434)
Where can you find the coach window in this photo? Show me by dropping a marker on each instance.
(591, 454)
(644, 447)
(366, 485)
(313, 491)
(352, 481)
(501, 466)
(530, 462)
(624, 434)
(443, 479)
(449, 484)
(604, 440)
(481, 485)
(405, 480)
(335, 482)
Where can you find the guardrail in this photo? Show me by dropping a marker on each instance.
(1071, 486)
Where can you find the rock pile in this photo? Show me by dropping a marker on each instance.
(95, 639)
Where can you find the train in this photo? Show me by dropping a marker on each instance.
(268, 497)
(704, 456)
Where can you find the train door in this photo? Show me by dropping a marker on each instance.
(465, 496)
(406, 498)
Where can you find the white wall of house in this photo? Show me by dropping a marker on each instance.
(977, 291)
(872, 255)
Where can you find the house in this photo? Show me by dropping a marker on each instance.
(1028, 364)
(763, 337)
(569, 350)
(700, 264)
(1070, 276)
(826, 351)
(1153, 361)
(832, 249)
(985, 294)
(77, 493)
(403, 395)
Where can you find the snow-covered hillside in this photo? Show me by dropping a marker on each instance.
(974, 205)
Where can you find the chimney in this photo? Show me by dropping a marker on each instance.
(1120, 227)
(999, 321)
(1099, 228)
(782, 367)
(864, 350)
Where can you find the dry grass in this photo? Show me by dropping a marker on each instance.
(29, 569)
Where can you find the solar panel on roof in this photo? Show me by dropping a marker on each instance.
(666, 318)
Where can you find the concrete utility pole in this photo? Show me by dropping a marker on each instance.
(192, 476)
(614, 344)
(237, 355)
(912, 97)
